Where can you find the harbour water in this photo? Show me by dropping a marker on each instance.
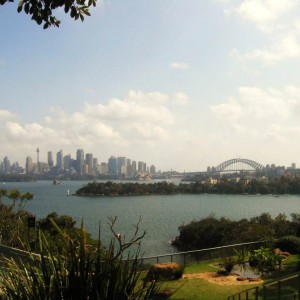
(161, 215)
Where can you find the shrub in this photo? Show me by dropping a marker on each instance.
(228, 263)
(265, 258)
(84, 272)
(289, 244)
(165, 271)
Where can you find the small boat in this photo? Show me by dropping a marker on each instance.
(55, 182)
(68, 192)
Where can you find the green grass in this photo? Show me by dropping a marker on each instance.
(201, 289)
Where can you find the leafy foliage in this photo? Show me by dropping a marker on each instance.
(83, 272)
(41, 10)
(13, 218)
(223, 186)
(213, 232)
(289, 244)
(265, 258)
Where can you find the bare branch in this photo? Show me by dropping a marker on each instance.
(123, 245)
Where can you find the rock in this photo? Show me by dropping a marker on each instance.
(241, 278)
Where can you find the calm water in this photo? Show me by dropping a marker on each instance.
(161, 215)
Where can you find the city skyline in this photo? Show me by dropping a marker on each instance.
(183, 84)
(82, 158)
(83, 163)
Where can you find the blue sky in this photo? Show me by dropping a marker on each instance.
(181, 84)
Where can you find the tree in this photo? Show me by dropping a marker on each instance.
(41, 10)
(13, 217)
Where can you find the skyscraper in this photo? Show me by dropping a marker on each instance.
(122, 162)
(38, 159)
(152, 170)
(59, 160)
(67, 161)
(50, 159)
(133, 167)
(89, 163)
(6, 165)
(112, 166)
(140, 166)
(79, 160)
(29, 165)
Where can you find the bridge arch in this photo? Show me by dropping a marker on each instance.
(238, 161)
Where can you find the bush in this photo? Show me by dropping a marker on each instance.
(265, 259)
(165, 271)
(289, 244)
(228, 263)
(84, 272)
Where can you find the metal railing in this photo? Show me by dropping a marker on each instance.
(183, 258)
(285, 288)
(197, 256)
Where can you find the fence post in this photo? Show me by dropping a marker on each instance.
(171, 258)
(256, 293)
(279, 289)
(184, 258)
(298, 286)
(247, 298)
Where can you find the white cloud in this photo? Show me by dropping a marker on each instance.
(279, 21)
(181, 99)
(6, 115)
(253, 103)
(136, 106)
(138, 120)
(286, 48)
(261, 115)
(264, 13)
(179, 66)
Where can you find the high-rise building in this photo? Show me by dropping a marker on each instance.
(103, 169)
(152, 170)
(59, 160)
(112, 166)
(29, 165)
(89, 163)
(79, 160)
(67, 162)
(133, 167)
(121, 163)
(6, 165)
(140, 166)
(95, 164)
(50, 159)
(38, 159)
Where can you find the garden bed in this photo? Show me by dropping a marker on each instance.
(214, 277)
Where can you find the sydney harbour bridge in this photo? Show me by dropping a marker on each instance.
(234, 165)
(238, 165)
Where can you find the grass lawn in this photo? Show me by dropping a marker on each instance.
(194, 289)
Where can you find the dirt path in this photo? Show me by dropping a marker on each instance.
(214, 277)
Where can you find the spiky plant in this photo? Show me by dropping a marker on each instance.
(80, 272)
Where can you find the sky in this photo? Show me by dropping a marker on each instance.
(180, 84)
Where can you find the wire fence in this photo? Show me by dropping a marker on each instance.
(287, 288)
(196, 256)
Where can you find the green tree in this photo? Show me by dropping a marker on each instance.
(13, 217)
(41, 10)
